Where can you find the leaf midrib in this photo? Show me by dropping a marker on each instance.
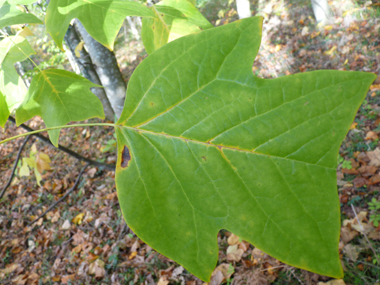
(220, 147)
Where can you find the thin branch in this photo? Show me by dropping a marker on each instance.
(14, 167)
(110, 167)
(63, 197)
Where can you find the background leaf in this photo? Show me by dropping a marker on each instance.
(12, 50)
(59, 96)
(11, 15)
(172, 19)
(4, 110)
(217, 148)
(102, 19)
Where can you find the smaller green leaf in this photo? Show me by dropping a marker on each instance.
(12, 50)
(173, 19)
(4, 110)
(101, 19)
(59, 96)
(21, 2)
(11, 15)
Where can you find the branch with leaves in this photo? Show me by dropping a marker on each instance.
(203, 143)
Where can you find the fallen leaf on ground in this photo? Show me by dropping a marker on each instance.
(352, 251)
(97, 268)
(8, 269)
(78, 219)
(234, 253)
(347, 234)
(333, 282)
(66, 225)
(67, 278)
(233, 239)
(374, 157)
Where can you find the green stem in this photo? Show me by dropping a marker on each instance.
(58, 127)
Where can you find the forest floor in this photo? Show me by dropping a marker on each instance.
(84, 240)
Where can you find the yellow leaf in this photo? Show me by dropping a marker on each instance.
(328, 28)
(314, 34)
(33, 149)
(78, 219)
(330, 52)
(132, 255)
(353, 125)
(38, 176)
(345, 62)
(25, 32)
(78, 48)
(24, 169)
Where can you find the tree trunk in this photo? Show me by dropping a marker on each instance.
(133, 27)
(321, 10)
(107, 69)
(87, 68)
(243, 8)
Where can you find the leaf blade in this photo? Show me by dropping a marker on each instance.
(101, 19)
(196, 167)
(53, 95)
(172, 19)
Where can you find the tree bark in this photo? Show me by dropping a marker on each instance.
(243, 9)
(107, 69)
(321, 10)
(87, 68)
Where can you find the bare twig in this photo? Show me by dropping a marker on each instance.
(14, 167)
(110, 167)
(63, 197)
(362, 229)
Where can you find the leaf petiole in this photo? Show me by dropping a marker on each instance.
(57, 127)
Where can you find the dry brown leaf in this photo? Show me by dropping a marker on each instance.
(66, 225)
(91, 172)
(367, 170)
(97, 268)
(371, 136)
(163, 280)
(374, 157)
(347, 234)
(65, 279)
(221, 273)
(375, 235)
(234, 253)
(233, 239)
(360, 182)
(9, 268)
(333, 282)
(42, 162)
(352, 251)
(374, 179)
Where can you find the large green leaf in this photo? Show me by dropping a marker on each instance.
(102, 19)
(11, 15)
(205, 145)
(59, 96)
(12, 50)
(173, 19)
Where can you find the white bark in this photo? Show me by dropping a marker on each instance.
(107, 69)
(321, 10)
(243, 8)
(86, 66)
